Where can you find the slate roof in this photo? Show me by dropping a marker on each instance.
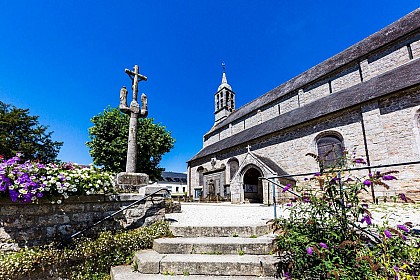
(356, 52)
(397, 79)
(174, 177)
(272, 165)
(400, 78)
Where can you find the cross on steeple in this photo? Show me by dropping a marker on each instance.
(249, 148)
(136, 77)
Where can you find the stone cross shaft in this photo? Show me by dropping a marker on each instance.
(135, 113)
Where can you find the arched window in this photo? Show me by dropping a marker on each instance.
(233, 167)
(200, 171)
(330, 150)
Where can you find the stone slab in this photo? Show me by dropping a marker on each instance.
(132, 179)
(221, 231)
(126, 272)
(151, 262)
(148, 261)
(229, 265)
(215, 245)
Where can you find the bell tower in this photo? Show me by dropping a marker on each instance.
(224, 99)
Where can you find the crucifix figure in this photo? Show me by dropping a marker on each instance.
(135, 113)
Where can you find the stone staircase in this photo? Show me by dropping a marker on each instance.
(206, 252)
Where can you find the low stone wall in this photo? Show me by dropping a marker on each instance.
(24, 225)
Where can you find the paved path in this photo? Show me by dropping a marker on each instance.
(227, 214)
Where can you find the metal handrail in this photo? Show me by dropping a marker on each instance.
(69, 238)
(274, 184)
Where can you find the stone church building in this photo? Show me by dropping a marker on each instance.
(365, 99)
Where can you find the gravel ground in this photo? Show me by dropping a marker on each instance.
(227, 214)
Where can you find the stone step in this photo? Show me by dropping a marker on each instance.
(219, 231)
(151, 262)
(126, 272)
(262, 245)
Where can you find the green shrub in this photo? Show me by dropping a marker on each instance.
(83, 259)
(329, 233)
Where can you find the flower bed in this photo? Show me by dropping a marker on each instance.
(30, 181)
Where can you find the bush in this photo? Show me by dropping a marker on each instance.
(329, 234)
(84, 259)
(29, 181)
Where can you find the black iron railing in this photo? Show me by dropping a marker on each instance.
(274, 184)
(67, 239)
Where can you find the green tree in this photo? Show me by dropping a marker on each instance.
(109, 139)
(22, 133)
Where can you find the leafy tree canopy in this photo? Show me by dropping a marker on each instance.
(109, 140)
(22, 133)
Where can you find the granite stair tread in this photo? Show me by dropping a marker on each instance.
(218, 245)
(126, 272)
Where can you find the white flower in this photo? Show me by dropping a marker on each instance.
(59, 201)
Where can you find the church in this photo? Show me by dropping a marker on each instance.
(365, 99)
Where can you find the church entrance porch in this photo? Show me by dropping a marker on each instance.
(252, 186)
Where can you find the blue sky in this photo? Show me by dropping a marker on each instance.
(65, 60)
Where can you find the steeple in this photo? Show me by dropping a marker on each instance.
(224, 79)
(224, 99)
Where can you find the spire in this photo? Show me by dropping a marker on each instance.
(224, 79)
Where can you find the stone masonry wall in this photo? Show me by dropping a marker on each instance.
(36, 224)
(392, 131)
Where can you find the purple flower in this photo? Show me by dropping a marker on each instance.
(306, 199)
(317, 174)
(403, 197)
(367, 183)
(287, 275)
(289, 204)
(389, 177)
(309, 250)
(287, 187)
(403, 227)
(13, 195)
(364, 205)
(306, 179)
(396, 268)
(366, 219)
(323, 245)
(387, 233)
(359, 160)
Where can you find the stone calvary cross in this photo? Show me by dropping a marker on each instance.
(135, 113)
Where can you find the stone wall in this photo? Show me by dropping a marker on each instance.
(36, 224)
(392, 135)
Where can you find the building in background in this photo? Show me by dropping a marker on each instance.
(175, 182)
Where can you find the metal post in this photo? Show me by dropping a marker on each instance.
(274, 200)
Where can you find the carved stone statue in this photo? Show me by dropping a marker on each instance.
(212, 189)
(144, 111)
(123, 100)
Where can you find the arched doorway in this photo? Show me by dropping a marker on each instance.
(253, 191)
